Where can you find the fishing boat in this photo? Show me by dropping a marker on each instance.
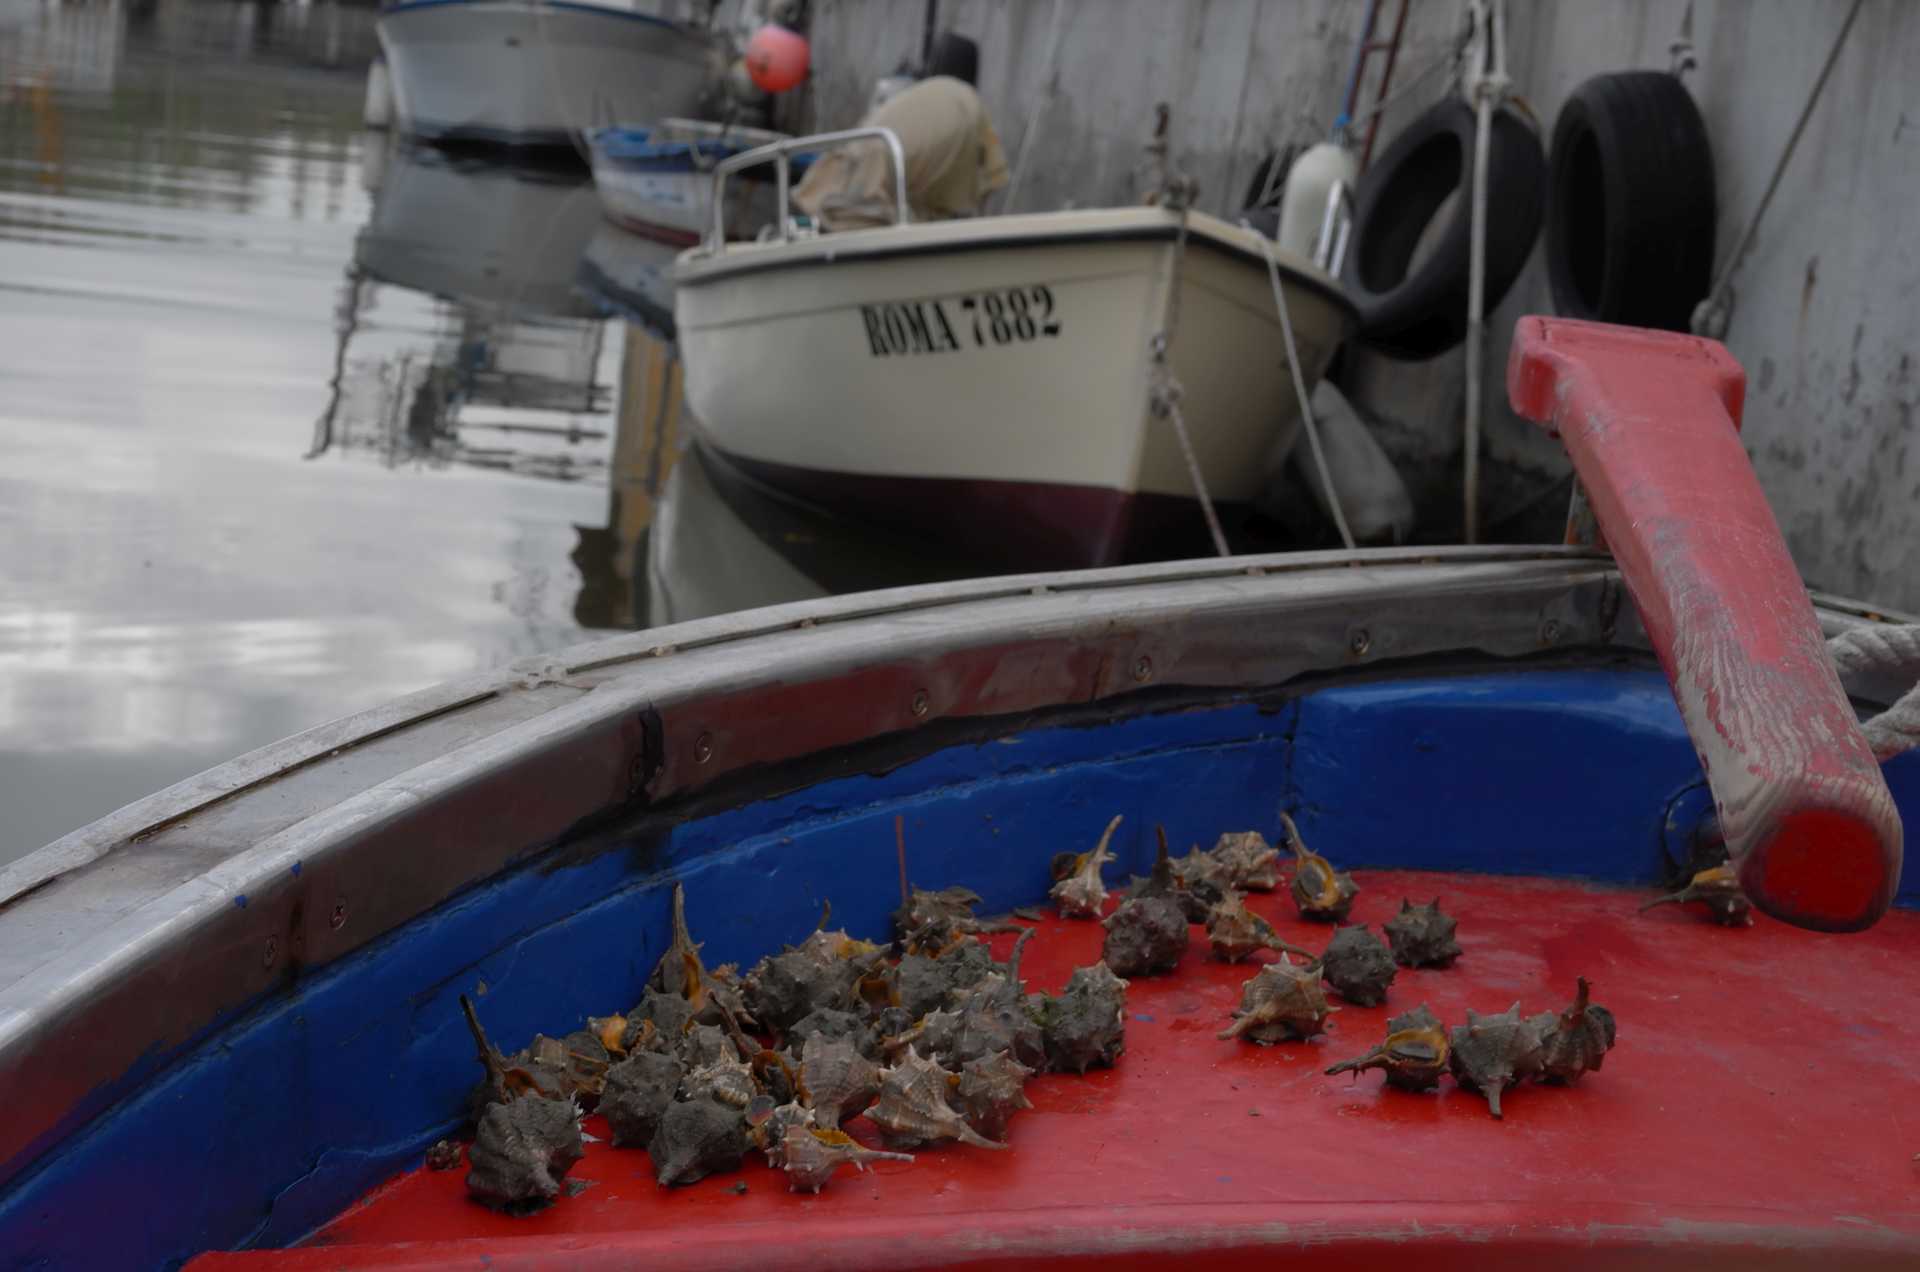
(230, 1014)
(1043, 387)
(658, 181)
(536, 73)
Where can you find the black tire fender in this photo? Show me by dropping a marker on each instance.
(1412, 309)
(1631, 210)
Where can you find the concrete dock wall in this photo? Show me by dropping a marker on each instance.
(1827, 304)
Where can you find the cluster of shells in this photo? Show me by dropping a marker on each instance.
(1287, 1000)
(1148, 933)
(1491, 1054)
(930, 1040)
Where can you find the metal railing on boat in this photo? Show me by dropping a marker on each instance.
(780, 154)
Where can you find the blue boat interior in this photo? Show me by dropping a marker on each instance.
(281, 1115)
(635, 149)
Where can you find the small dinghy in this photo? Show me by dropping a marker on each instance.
(235, 1017)
(658, 181)
(536, 73)
(1042, 387)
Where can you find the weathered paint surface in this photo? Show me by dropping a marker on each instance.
(337, 1077)
(1822, 312)
(1194, 1152)
(1651, 422)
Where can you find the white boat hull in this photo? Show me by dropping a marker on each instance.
(536, 72)
(677, 207)
(658, 181)
(989, 380)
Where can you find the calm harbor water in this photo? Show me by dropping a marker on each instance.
(295, 418)
(289, 424)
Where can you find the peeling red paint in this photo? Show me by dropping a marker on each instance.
(1651, 422)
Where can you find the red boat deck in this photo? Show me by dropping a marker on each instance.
(1759, 1110)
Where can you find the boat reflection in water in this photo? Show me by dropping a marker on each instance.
(517, 372)
(687, 535)
(721, 543)
(522, 367)
(632, 276)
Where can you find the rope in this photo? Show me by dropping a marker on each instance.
(1710, 316)
(1300, 388)
(1164, 390)
(1486, 85)
(1889, 651)
(1166, 402)
(1045, 100)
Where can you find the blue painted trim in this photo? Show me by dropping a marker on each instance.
(271, 1123)
(632, 149)
(599, 11)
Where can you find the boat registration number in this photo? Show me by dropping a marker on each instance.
(982, 320)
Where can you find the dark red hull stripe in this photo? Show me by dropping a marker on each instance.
(1031, 525)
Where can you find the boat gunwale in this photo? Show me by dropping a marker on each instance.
(147, 816)
(567, 6)
(698, 267)
(623, 727)
(679, 157)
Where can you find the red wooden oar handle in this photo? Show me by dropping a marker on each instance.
(1651, 422)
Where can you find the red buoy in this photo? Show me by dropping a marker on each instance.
(777, 58)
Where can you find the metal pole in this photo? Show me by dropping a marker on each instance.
(1486, 84)
(1476, 318)
(717, 229)
(786, 176)
(898, 156)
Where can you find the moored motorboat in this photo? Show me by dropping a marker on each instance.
(230, 1013)
(535, 73)
(658, 181)
(1017, 383)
